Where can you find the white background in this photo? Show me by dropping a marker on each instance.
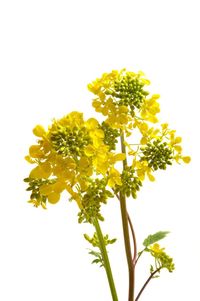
(49, 51)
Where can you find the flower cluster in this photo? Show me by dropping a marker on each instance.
(72, 156)
(118, 95)
(162, 260)
(79, 156)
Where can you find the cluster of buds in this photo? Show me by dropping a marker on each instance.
(130, 183)
(94, 241)
(110, 135)
(70, 141)
(157, 154)
(129, 91)
(92, 199)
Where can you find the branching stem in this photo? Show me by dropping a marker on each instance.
(133, 236)
(134, 239)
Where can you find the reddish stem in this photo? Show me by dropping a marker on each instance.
(147, 281)
(134, 239)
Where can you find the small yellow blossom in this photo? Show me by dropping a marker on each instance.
(175, 141)
(114, 177)
(143, 169)
(150, 108)
(156, 248)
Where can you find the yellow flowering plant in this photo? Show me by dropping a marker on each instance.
(82, 157)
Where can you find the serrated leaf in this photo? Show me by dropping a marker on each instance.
(97, 254)
(151, 239)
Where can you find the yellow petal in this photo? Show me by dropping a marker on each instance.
(178, 148)
(96, 104)
(58, 187)
(40, 171)
(39, 131)
(46, 189)
(118, 157)
(45, 169)
(89, 150)
(122, 119)
(152, 119)
(123, 109)
(99, 133)
(53, 197)
(186, 159)
(36, 173)
(35, 151)
(155, 96)
(164, 126)
(92, 123)
(177, 140)
(143, 140)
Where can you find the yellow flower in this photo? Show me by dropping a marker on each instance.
(64, 168)
(95, 133)
(99, 157)
(175, 141)
(150, 108)
(147, 132)
(114, 177)
(85, 167)
(142, 170)
(117, 157)
(155, 248)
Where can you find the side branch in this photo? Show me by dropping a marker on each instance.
(145, 284)
(134, 239)
(133, 235)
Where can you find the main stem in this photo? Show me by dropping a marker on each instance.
(124, 216)
(105, 259)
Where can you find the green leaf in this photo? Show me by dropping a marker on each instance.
(98, 259)
(151, 239)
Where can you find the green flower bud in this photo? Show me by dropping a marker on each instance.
(157, 154)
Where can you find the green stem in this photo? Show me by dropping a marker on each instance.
(105, 259)
(123, 148)
(124, 216)
(127, 247)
